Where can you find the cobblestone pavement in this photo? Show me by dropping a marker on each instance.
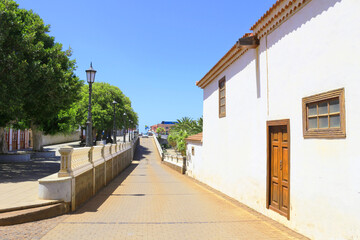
(151, 201)
(29, 231)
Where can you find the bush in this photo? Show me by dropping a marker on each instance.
(172, 140)
(181, 130)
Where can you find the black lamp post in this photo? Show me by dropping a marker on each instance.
(124, 126)
(90, 76)
(114, 102)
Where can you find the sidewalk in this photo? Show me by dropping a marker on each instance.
(151, 201)
(19, 180)
(56, 147)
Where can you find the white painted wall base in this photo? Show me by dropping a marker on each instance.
(55, 188)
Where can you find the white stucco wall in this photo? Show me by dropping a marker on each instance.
(314, 51)
(60, 138)
(193, 162)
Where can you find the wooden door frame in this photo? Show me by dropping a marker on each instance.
(274, 123)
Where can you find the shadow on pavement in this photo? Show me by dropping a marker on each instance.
(28, 171)
(140, 153)
(97, 200)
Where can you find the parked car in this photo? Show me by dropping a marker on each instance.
(145, 136)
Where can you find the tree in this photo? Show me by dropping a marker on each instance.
(181, 130)
(160, 131)
(37, 80)
(103, 94)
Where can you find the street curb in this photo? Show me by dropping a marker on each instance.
(33, 214)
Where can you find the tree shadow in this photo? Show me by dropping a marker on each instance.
(28, 171)
(140, 152)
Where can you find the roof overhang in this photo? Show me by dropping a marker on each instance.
(241, 46)
(278, 13)
(195, 138)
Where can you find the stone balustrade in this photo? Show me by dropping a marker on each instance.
(84, 171)
(158, 147)
(177, 162)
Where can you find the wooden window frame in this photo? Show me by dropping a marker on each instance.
(274, 123)
(325, 132)
(192, 150)
(222, 114)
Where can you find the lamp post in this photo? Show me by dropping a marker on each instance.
(114, 102)
(90, 76)
(130, 128)
(124, 126)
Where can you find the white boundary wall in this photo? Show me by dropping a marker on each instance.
(60, 138)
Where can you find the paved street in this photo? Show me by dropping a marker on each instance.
(151, 201)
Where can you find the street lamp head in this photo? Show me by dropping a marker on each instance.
(114, 102)
(124, 114)
(90, 74)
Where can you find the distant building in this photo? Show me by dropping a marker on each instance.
(164, 124)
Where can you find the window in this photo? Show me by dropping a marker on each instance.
(192, 151)
(324, 115)
(222, 98)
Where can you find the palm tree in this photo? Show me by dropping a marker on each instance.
(181, 130)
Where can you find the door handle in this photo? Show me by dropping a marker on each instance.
(280, 164)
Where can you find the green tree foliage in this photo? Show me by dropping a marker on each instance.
(103, 94)
(37, 80)
(160, 130)
(181, 130)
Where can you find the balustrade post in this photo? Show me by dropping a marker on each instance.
(91, 155)
(65, 164)
(184, 164)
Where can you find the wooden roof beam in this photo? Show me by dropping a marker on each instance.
(248, 42)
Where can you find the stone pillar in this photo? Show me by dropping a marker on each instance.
(18, 139)
(26, 139)
(65, 164)
(10, 139)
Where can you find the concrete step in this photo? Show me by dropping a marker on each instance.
(33, 213)
(45, 154)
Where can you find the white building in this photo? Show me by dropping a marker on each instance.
(194, 158)
(282, 118)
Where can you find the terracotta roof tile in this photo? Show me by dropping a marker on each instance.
(280, 10)
(197, 137)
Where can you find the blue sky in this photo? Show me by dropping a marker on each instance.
(154, 51)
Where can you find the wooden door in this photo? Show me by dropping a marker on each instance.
(22, 139)
(7, 133)
(278, 169)
(14, 139)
